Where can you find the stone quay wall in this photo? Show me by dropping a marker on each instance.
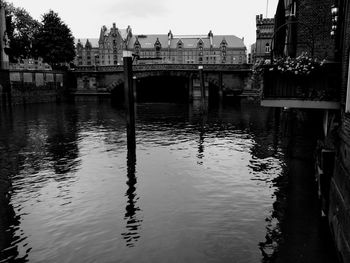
(35, 86)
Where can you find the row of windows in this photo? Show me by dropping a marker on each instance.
(188, 56)
(153, 53)
(178, 59)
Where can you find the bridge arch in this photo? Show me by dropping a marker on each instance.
(183, 78)
(162, 88)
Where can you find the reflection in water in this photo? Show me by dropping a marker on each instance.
(30, 145)
(200, 154)
(12, 140)
(67, 167)
(62, 143)
(273, 239)
(269, 248)
(132, 222)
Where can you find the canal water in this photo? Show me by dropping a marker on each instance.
(201, 186)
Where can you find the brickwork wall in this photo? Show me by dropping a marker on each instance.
(345, 34)
(339, 209)
(316, 14)
(339, 214)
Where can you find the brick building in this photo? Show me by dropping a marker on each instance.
(339, 216)
(264, 33)
(160, 48)
(304, 26)
(322, 28)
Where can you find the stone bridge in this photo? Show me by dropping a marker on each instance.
(220, 79)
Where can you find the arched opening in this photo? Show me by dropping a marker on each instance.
(213, 87)
(162, 89)
(117, 93)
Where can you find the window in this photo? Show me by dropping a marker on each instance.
(293, 8)
(347, 105)
(267, 48)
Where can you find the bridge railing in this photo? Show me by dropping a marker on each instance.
(167, 67)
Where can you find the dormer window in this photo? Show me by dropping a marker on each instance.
(200, 44)
(137, 46)
(158, 47)
(223, 45)
(179, 44)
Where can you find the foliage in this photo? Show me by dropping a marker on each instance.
(260, 65)
(301, 65)
(54, 41)
(21, 28)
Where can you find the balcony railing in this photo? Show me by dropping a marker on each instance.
(319, 89)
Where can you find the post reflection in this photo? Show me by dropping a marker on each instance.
(133, 223)
(202, 124)
(200, 154)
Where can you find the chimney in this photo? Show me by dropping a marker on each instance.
(170, 37)
(210, 35)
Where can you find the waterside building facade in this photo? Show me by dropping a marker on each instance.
(264, 34)
(159, 48)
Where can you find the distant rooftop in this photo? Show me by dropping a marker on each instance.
(190, 36)
(93, 41)
(188, 41)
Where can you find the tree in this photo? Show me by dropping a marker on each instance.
(21, 28)
(54, 41)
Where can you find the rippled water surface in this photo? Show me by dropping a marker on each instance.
(200, 187)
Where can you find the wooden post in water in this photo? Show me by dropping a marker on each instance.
(190, 88)
(201, 81)
(129, 100)
(203, 95)
(135, 87)
(221, 92)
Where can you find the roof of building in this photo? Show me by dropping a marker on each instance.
(189, 41)
(147, 41)
(93, 41)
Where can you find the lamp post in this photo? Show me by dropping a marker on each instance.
(201, 81)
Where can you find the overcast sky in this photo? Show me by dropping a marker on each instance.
(183, 17)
